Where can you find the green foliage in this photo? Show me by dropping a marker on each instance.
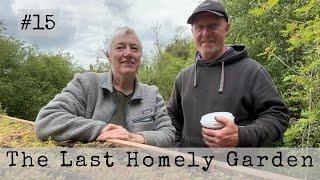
(305, 132)
(284, 37)
(305, 36)
(167, 64)
(3, 111)
(256, 24)
(28, 78)
(19, 134)
(100, 66)
(14, 133)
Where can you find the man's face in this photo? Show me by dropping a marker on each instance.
(209, 32)
(125, 55)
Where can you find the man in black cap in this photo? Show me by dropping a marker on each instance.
(224, 79)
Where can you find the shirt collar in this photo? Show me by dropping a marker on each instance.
(106, 83)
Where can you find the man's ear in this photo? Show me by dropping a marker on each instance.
(192, 31)
(227, 29)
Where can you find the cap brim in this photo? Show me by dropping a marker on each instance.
(193, 16)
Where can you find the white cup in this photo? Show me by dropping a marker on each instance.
(209, 120)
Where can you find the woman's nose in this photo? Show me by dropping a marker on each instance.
(128, 51)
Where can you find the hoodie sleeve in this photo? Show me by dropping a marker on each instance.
(63, 117)
(175, 111)
(272, 114)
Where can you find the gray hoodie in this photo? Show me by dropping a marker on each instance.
(233, 83)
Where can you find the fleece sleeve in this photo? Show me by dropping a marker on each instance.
(163, 134)
(272, 114)
(63, 118)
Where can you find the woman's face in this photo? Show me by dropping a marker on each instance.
(125, 55)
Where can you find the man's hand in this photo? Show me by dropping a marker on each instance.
(112, 131)
(225, 137)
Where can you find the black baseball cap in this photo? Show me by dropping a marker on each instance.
(214, 7)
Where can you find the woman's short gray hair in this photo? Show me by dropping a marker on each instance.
(120, 32)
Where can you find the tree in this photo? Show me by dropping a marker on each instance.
(305, 36)
(29, 78)
(284, 37)
(166, 63)
(100, 66)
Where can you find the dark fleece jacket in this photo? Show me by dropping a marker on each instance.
(233, 83)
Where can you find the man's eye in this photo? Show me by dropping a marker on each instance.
(213, 26)
(199, 28)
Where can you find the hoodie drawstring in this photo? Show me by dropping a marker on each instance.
(195, 71)
(221, 86)
(221, 78)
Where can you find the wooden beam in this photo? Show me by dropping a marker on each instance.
(16, 119)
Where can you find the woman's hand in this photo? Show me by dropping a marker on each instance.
(112, 131)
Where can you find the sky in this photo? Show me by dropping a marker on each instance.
(82, 27)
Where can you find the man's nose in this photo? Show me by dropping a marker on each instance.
(205, 30)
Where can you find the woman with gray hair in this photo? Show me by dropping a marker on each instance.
(111, 105)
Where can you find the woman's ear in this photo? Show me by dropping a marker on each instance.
(108, 56)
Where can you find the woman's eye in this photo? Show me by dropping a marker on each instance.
(135, 48)
(119, 47)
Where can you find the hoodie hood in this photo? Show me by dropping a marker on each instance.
(233, 53)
